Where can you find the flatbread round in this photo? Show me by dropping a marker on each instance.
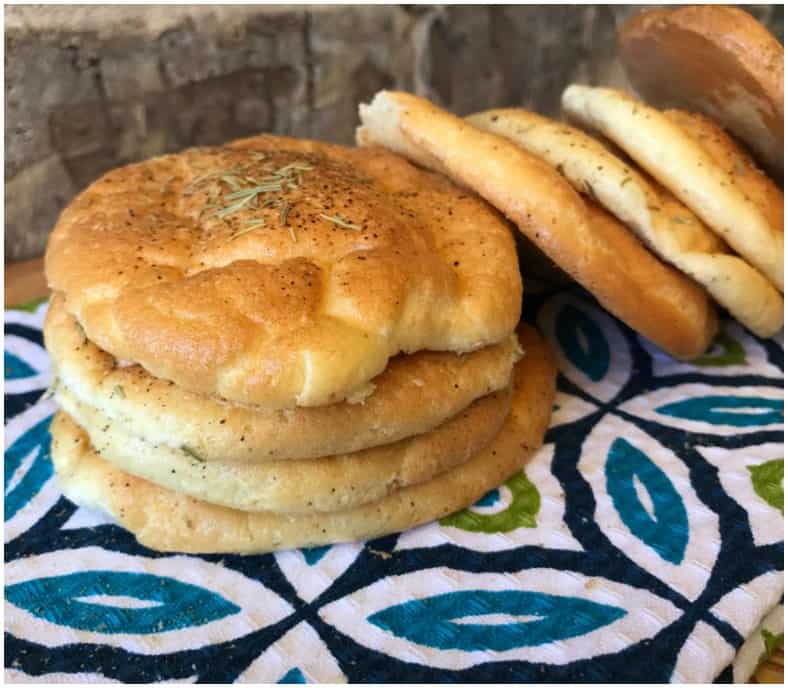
(590, 245)
(165, 520)
(281, 272)
(684, 167)
(711, 59)
(415, 394)
(661, 221)
(735, 162)
(299, 486)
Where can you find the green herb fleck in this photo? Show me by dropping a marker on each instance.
(235, 207)
(82, 333)
(253, 225)
(188, 450)
(283, 213)
(590, 191)
(50, 391)
(342, 222)
(254, 191)
(292, 168)
(222, 175)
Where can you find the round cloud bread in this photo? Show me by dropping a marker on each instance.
(653, 213)
(682, 165)
(350, 257)
(165, 520)
(735, 162)
(302, 486)
(589, 244)
(415, 394)
(711, 59)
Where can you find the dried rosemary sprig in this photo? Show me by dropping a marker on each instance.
(222, 175)
(254, 191)
(283, 213)
(240, 203)
(342, 222)
(242, 196)
(254, 224)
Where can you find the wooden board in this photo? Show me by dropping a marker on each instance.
(771, 671)
(24, 281)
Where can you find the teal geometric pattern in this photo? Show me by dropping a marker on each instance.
(742, 412)
(66, 601)
(667, 531)
(431, 620)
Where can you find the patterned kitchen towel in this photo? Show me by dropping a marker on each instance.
(644, 542)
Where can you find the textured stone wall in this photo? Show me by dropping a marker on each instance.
(90, 88)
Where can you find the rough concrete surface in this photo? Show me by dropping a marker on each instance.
(89, 88)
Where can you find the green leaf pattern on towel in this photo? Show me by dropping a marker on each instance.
(724, 351)
(521, 513)
(770, 643)
(767, 480)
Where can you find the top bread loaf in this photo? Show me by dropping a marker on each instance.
(278, 272)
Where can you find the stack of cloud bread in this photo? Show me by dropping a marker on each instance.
(281, 343)
(664, 212)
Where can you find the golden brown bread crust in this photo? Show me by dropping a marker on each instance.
(327, 483)
(622, 290)
(225, 306)
(413, 395)
(683, 166)
(589, 244)
(165, 520)
(712, 59)
(658, 218)
(735, 162)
